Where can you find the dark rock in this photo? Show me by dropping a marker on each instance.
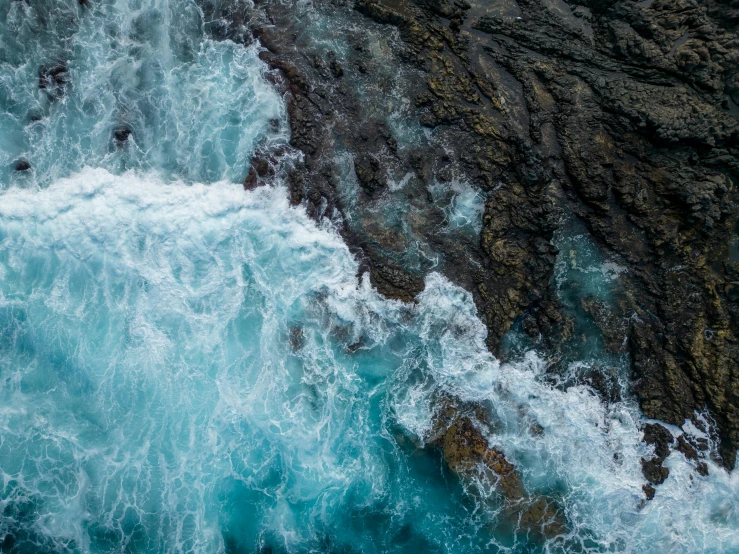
(536, 429)
(336, 69)
(53, 79)
(121, 134)
(605, 385)
(22, 165)
(250, 183)
(659, 437)
(648, 491)
(613, 118)
(614, 329)
(370, 174)
(297, 338)
(530, 326)
(52, 75)
(263, 165)
(458, 434)
(686, 448)
(391, 280)
(654, 471)
(699, 443)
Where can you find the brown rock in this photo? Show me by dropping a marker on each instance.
(467, 452)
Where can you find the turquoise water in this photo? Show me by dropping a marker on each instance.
(189, 367)
(194, 107)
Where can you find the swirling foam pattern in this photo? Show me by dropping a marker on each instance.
(194, 107)
(187, 367)
(195, 368)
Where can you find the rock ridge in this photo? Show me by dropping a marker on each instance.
(621, 115)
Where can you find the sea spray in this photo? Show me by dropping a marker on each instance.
(128, 85)
(197, 368)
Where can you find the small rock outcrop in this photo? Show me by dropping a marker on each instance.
(459, 432)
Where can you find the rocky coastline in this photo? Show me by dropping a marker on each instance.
(622, 116)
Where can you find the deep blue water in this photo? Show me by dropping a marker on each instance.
(188, 367)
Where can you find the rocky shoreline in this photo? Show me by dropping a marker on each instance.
(619, 115)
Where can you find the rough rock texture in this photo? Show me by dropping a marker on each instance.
(618, 113)
(661, 439)
(648, 136)
(459, 432)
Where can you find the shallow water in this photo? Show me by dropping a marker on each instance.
(188, 367)
(194, 107)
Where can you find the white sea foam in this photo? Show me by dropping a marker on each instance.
(463, 205)
(178, 359)
(196, 108)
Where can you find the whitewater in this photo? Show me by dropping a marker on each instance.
(186, 366)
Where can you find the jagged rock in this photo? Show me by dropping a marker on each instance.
(625, 109)
(263, 165)
(686, 448)
(614, 116)
(457, 433)
(654, 471)
(659, 437)
(606, 385)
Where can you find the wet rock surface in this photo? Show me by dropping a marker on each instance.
(53, 79)
(460, 433)
(121, 134)
(620, 114)
(664, 443)
(661, 439)
(22, 165)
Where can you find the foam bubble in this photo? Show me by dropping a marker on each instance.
(186, 367)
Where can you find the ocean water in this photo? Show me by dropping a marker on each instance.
(189, 367)
(194, 107)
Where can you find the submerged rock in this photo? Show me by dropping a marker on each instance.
(606, 385)
(459, 434)
(53, 79)
(263, 165)
(121, 134)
